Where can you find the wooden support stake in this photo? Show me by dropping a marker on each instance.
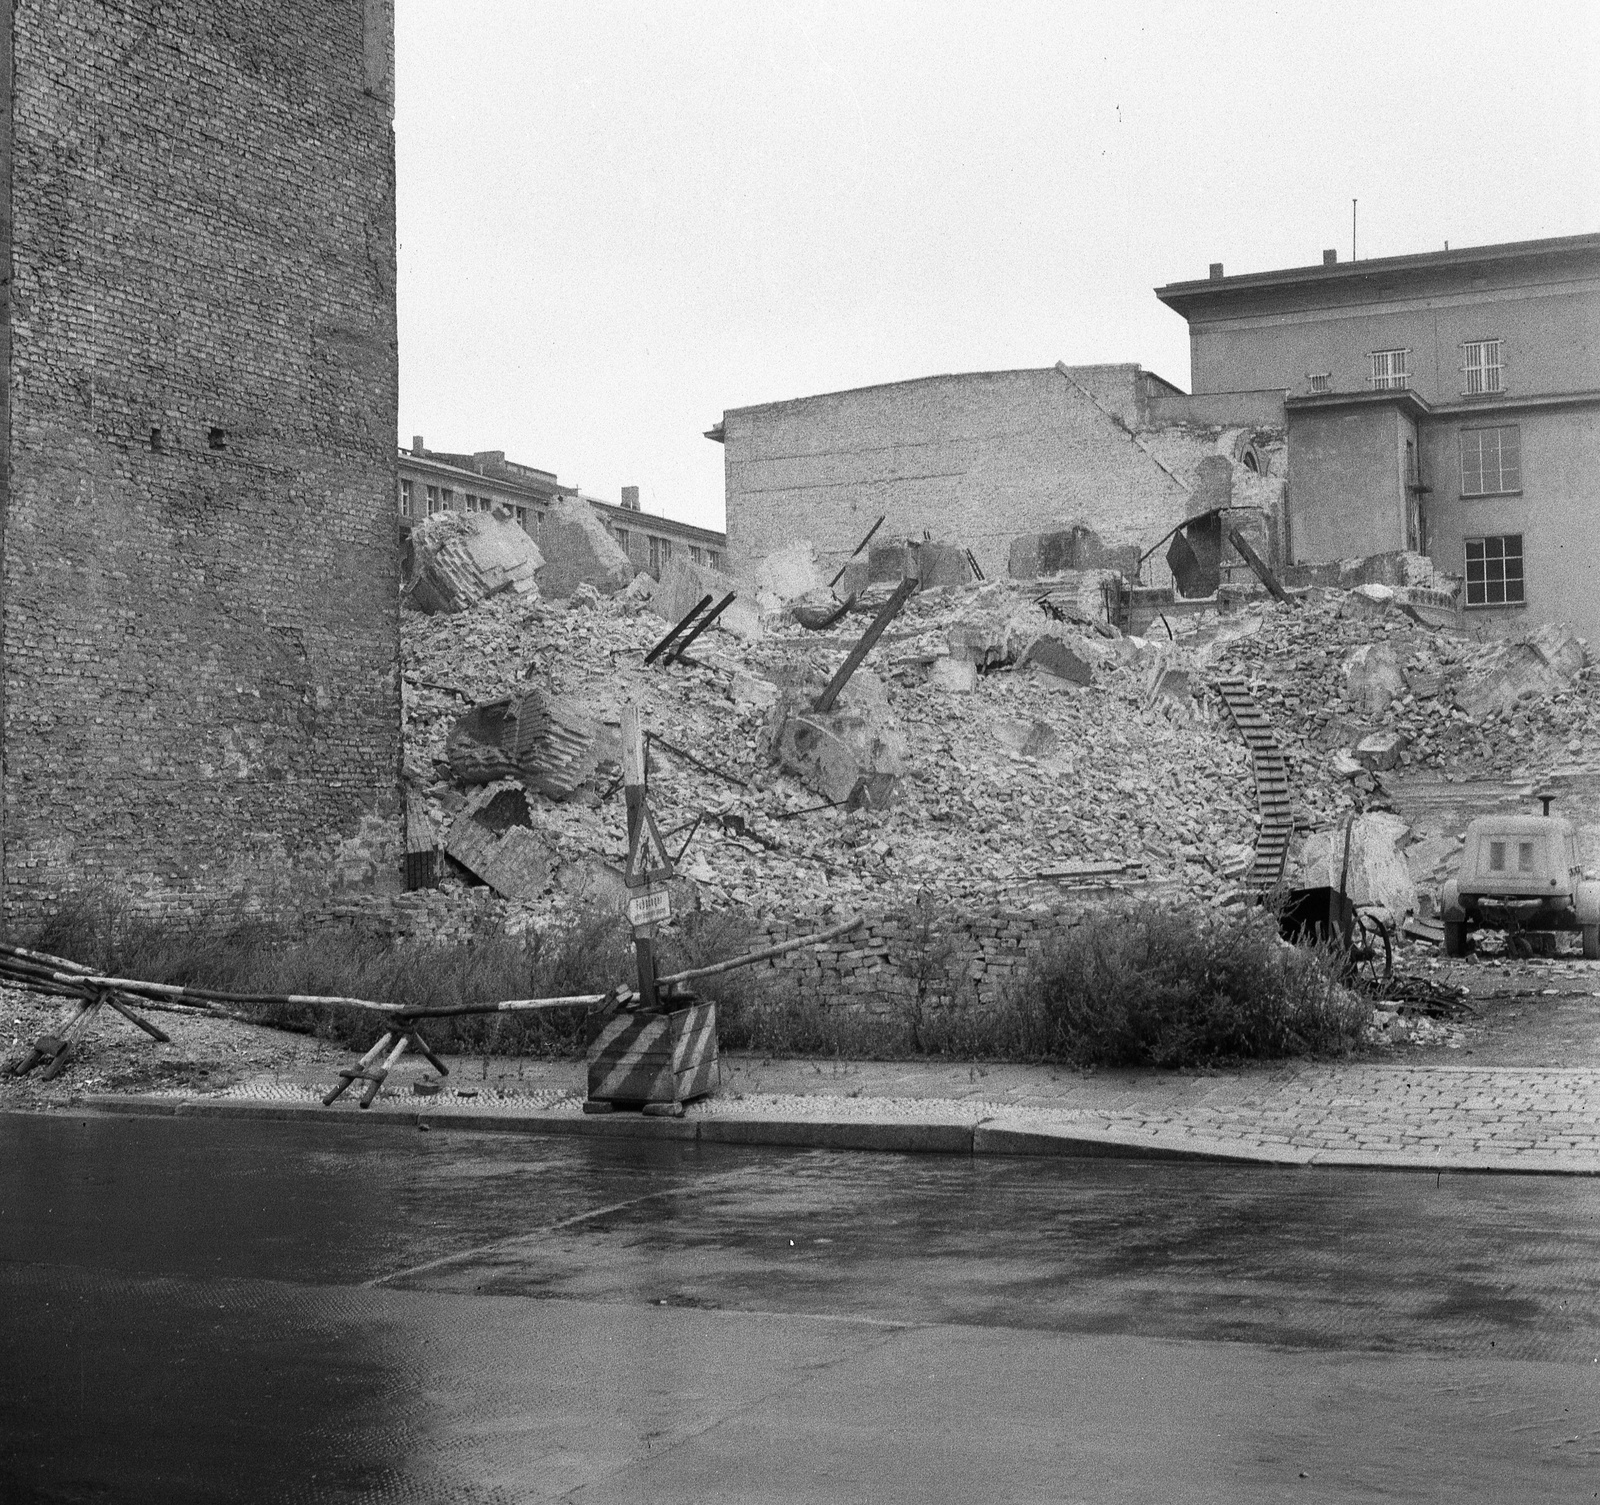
(1259, 565)
(700, 626)
(891, 609)
(858, 548)
(673, 632)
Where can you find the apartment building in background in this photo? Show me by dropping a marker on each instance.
(1447, 402)
(432, 481)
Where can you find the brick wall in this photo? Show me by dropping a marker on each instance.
(199, 609)
(976, 459)
(936, 954)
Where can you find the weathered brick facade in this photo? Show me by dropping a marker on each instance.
(199, 580)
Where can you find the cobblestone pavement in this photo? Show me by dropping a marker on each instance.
(1489, 1118)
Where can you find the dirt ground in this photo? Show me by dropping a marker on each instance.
(1537, 1012)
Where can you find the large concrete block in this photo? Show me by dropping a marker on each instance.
(1374, 678)
(683, 584)
(579, 551)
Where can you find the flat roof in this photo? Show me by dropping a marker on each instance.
(1178, 295)
(914, 381)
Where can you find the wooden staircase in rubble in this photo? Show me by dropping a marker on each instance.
(1272, 785)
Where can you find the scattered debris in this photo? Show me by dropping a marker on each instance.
(457, 559)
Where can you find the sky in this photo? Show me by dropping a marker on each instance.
(618, 220)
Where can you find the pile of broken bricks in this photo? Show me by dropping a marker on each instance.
(997, 737)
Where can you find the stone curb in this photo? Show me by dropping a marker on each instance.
(927, 1137)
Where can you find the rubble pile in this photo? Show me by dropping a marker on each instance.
(993, 748)
(1004, 786)
(1356, 694)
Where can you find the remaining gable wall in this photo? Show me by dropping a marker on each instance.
(201, 699)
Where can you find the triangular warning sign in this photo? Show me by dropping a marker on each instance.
(647, 856)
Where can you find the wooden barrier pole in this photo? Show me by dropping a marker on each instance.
(764, 954)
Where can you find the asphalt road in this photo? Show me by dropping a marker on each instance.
(210, 1310)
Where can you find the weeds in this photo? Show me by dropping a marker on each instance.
(1139, 986)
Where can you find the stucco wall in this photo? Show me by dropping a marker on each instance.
(1555, 513)
(1550, 342)
(1346, 493)
(201, 703)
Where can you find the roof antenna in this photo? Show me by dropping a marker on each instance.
(1352, 229)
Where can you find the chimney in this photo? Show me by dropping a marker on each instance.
(1216, 271)
(1330, 257)
(630, 498)
(417, 446)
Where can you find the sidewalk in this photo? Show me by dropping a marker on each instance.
(1402, 1115)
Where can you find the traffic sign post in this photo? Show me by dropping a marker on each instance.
(648, 867)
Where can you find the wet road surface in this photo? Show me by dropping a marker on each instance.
(214, 1310)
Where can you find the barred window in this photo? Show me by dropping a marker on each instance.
(1480, 367)
(1491, 461)
(1494, 571)
(1321, 381)
(1389, 368)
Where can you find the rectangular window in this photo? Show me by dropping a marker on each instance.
(433, 500)
(1321, 381)
(656, 553)
(1494, 571)
(1480, 367)
(695, 555)
(1389, 368)
(1524, 856)
(1497, 857)
(1491, 461)
(622, 539)
(522, 518)
(405, 499)
(714, 559)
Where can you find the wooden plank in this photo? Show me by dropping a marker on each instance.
(891, 609)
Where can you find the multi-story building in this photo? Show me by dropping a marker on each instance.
(1447, 402)
(436, 481)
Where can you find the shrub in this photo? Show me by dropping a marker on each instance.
(1152, 986)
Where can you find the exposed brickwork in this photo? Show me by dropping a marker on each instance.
(200, 625)
(934, 956)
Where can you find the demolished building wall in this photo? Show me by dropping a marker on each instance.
(979, 461)
(201, 703)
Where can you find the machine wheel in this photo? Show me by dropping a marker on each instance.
(1372, 956)
(1455, 937)
(1591, 943)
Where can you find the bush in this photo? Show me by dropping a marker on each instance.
(1147, 986)
(1138, 986)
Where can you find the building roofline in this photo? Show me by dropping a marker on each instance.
(915, 381)
(1420, 407)
(1179, 295)
(647, 522)
(461, 473)
(1400, 397)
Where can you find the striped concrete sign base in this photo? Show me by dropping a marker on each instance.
(654, 1058)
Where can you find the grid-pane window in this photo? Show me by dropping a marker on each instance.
(622, 539)
(405, 499)
(695, 555)
(448, 497)
(1389, 368)
(1494, 571)
(1480, 367)
(1491, 460)
(433, 500)
(714, 559)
